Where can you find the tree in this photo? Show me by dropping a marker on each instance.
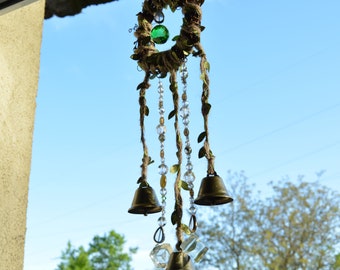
(104, 253)
(336, 265)
(297, 227)
(229, 229)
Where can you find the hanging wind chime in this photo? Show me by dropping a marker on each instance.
(159, 65)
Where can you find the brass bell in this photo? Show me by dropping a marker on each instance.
(145, 201)
(212, 191)
(179, 261)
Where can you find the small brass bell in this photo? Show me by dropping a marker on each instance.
(179, 261)
(145, 201)
(212, 191)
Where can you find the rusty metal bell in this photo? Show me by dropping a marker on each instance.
(145, 201)
(212, 191)
(179, 261)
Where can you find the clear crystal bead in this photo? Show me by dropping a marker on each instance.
(159, 17)
(192, 210)
(194, 247)
(189, 177)
(186, 121)
(161, 129)
(189, 166)
(162, 221)
(190, 185)
(163, 169)
(163, 192)
(185, 104)
(160, 255)
(185, 112)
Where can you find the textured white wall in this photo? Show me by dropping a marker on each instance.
(20, 40)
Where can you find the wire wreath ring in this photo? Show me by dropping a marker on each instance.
(160, 63)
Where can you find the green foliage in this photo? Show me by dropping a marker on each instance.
(297, 227)
(104, 253)
(74, 259)
(336, 265)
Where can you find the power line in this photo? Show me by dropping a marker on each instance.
(76, 210)
(291, 124)
(283, 70)
(318, 150)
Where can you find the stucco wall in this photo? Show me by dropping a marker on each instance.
(20, 40)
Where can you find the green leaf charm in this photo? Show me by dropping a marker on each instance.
(174, 168)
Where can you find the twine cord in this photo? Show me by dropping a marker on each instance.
(142, 111)
(178, 196)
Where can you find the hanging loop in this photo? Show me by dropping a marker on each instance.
(159, 235)
(193, 223)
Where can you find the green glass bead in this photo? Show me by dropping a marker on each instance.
(159, 34)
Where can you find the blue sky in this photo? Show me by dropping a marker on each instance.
(275, 112)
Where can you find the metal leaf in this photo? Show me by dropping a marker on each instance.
(172, 114)
(206, 108)
(201, 137)
(174, 168)
(201, 152)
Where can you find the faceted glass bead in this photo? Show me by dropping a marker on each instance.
(163, 191)
(161, 153)
(159, 17)
(162, 221)
(192, 210)
(161, 138)
(163, 169)
(161, 120)
(185, 104)
(186, 132)
(160, 34)
(163, 181)
(186, 121)
(194, 247)
(161, 111)
(161, 129)
(187, 150)
(190, 185)
(160, 255)
(184, 112)
(189, 166)
(189, 177)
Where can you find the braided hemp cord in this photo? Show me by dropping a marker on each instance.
(178, 197)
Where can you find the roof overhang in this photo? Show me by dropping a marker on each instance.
(10, 5)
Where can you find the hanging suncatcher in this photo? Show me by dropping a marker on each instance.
(171, 63)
